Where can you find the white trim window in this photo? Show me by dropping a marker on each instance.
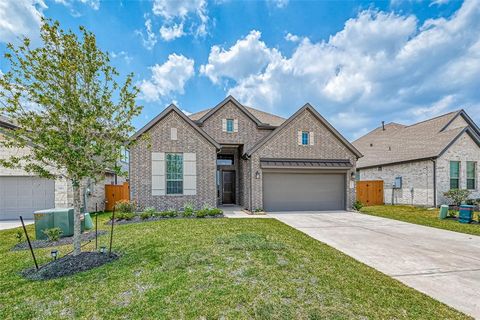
(174, 173)
(471, 175)
(454, 174)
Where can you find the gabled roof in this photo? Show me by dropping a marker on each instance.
(7, 123)
(163, 114)
(423, 140)
(295, 115)
(261, 118)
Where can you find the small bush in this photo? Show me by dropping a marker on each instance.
(202, 213)
(53, 234)
(215, 212)
(119, 216)
(357, 205)
(457, 196)
(148, 213)
(171, 213)
(129, 216)
(125, 206)
(19, 236)
(258, 210)
(188, 210)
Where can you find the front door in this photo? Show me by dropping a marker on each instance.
(228, 187)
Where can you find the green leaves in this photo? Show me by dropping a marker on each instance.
(68, 106)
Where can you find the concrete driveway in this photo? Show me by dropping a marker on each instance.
(10, 224)
(442, 264)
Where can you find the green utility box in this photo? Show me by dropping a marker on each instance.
(43, 220)
(443, 211)
(55, 218)
(88, 221)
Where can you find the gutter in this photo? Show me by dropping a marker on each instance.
(434, 161)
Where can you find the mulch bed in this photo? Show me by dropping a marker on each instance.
(37, 244)
(137, 219)
(69, 265)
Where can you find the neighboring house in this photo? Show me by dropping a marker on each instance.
(428, 158)
(232, 154)
(22, 193)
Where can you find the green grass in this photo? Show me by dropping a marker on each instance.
(211, 269)
(421, 216)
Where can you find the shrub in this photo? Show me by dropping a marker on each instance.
(148, 213)
(171, 213)
(202, 213)
(215, 212)
(19, 235)
(118, 216)
(53, 234)
(188, 210)
(258, 210)
(457, 196)
(125, 206)
(129, 216)
(357, 205)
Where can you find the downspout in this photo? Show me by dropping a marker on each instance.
(251, 185)
(434, 161)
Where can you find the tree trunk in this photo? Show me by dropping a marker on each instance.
(77, 232)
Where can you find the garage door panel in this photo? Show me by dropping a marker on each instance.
(24, 195)
(303, 191)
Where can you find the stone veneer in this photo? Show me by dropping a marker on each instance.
(157, 139)
(285, 145)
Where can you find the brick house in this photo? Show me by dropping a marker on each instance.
(236, 155)
(428, 158)
(22, 193)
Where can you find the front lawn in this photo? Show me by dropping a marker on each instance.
(421, 216)
(216, 268)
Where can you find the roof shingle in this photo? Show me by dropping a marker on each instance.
(401, 143)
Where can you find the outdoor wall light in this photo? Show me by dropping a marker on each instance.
(352, 175)
(54, 254)
(103, 249)
(257, 175)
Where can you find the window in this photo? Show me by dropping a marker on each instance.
(305, 138)
(471, 175)
(454, 174)
(125, 155)
(174, 173)
(229, 125)
(225, 159)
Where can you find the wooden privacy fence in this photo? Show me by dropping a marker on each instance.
(114, 193)
(370, 193)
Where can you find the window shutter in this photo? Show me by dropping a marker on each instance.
(158, 173)
(224, 125)
(300, 137)
(235, 125)
(311, 137)
(173, 133)
(189, 174)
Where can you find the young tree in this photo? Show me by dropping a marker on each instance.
(70, 111)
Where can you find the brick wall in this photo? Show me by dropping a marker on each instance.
(188, 140)
(285, 145)
(248, 133)
(417, 175)
(464, 149)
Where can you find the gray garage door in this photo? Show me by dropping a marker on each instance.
(24, 195)
(303, 191)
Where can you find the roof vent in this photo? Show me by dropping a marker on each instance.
(383, 125)
(371, 144)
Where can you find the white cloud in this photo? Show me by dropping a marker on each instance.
(150, 39)
(122, 54)
(291, 37)
(20, 18)
(178, 13)
(94, 4)
(381, 66)
(247, 56)
(171, 32)
(279, 3)
(168, 78)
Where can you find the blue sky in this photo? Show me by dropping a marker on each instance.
(357, 62)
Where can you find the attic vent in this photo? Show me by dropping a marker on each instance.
(389, 148)
(371, 144)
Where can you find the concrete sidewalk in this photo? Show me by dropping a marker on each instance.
(442, 264)
(10, 224)
(238, 212)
